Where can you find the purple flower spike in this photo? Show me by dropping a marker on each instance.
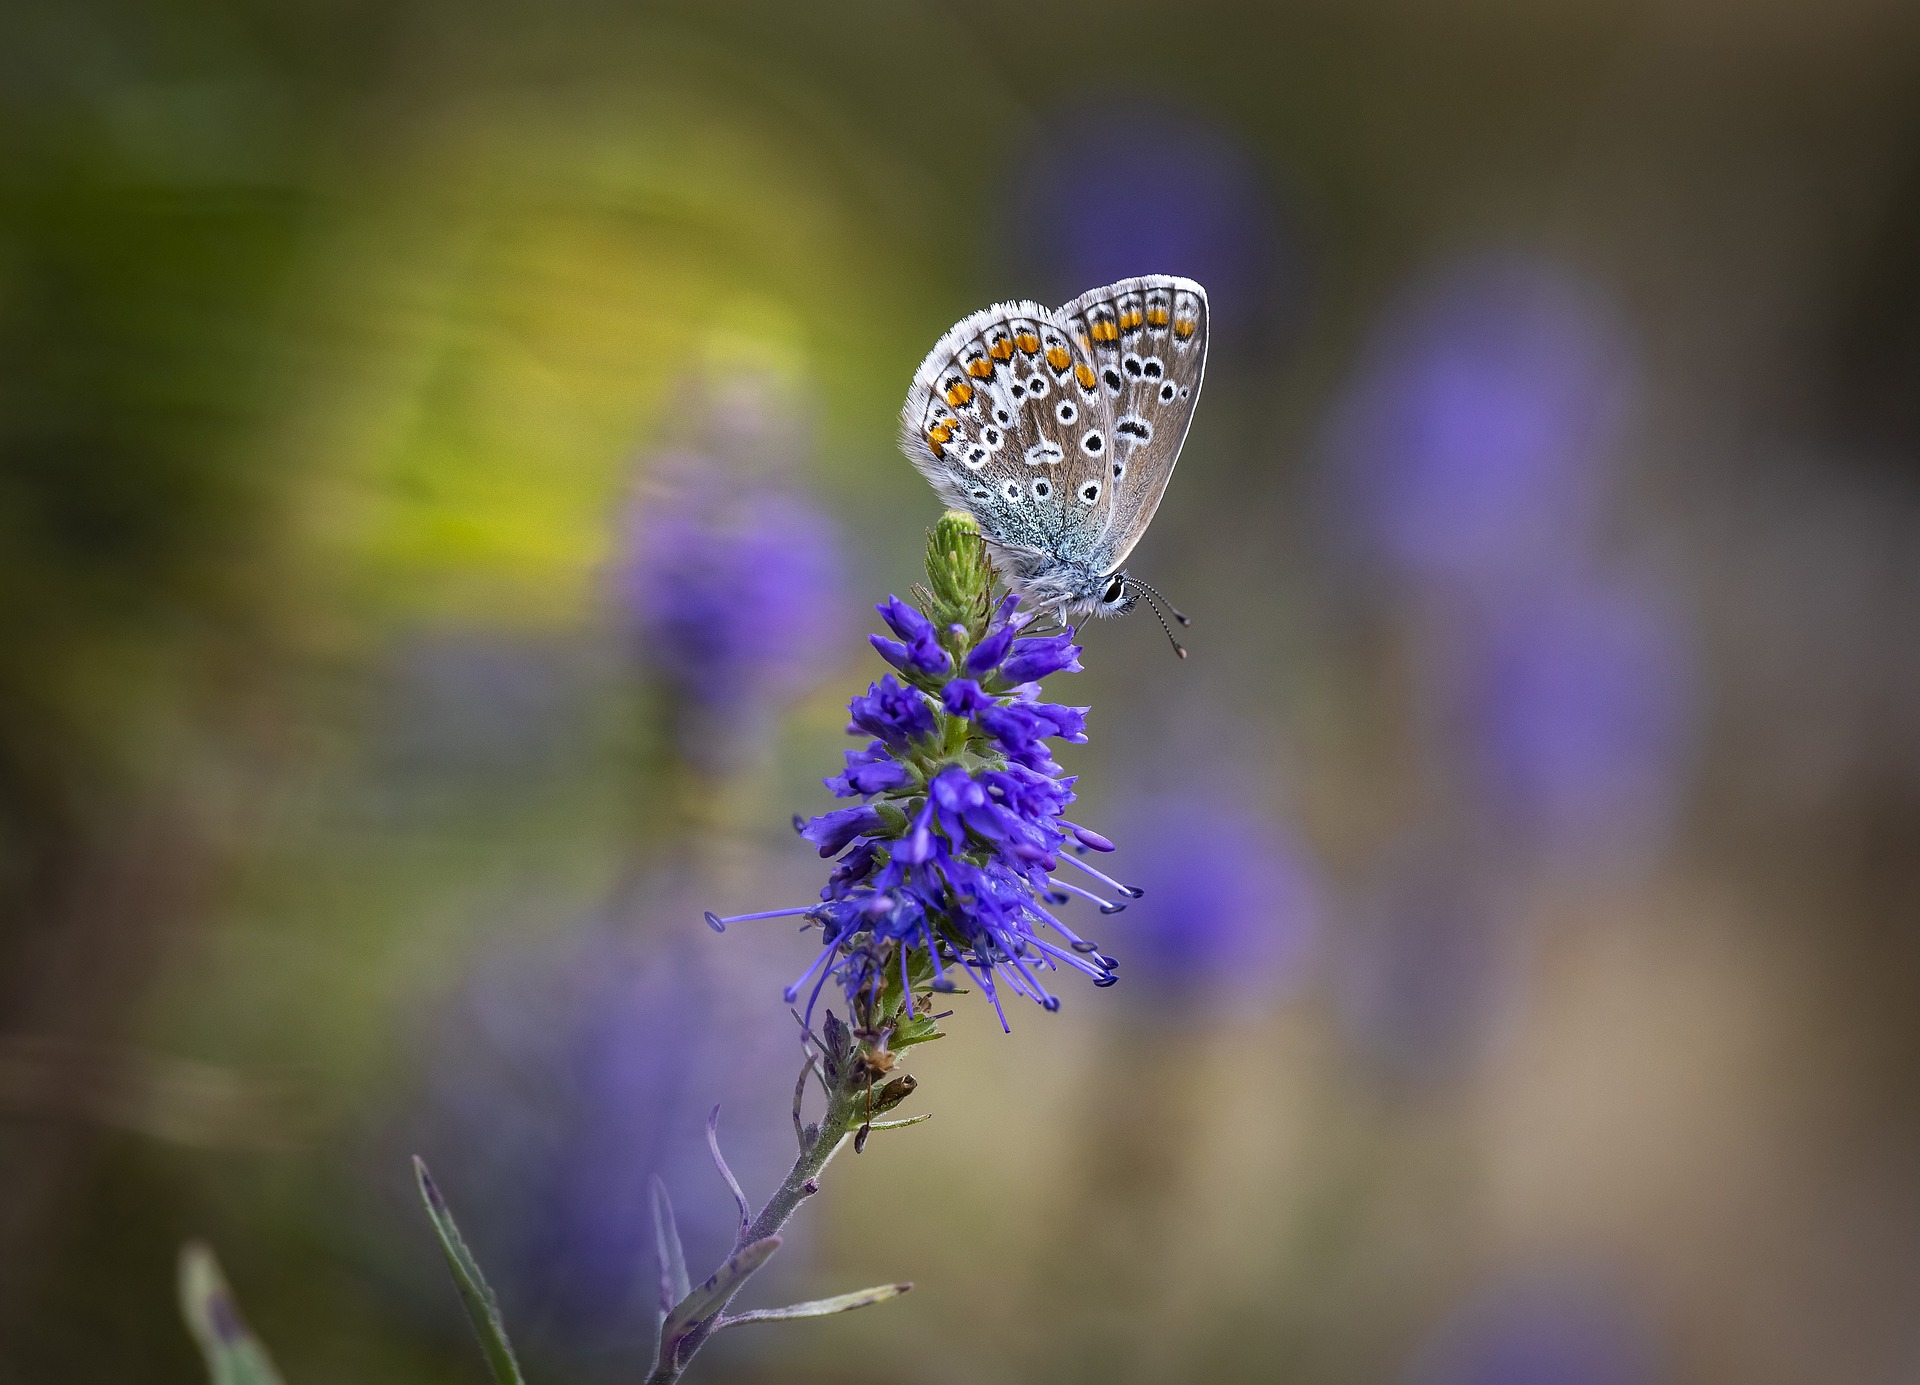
(947, 870)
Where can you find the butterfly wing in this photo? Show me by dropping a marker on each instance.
(1147, 341)
(997, 415)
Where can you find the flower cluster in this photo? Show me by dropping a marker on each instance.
(948, 861)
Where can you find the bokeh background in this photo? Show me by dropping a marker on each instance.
(446, 465)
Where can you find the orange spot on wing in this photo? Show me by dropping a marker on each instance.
(1131, 319)
(1105, 330)
(1184, 328)
(1001, 350)
(1028, 342)
(980, 369)
(1084, 374)
(1058, 358)
(958, 393)
(1157, 317)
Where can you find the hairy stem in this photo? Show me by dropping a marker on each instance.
(844, 1114)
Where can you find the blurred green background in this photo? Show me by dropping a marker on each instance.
(1524, 990)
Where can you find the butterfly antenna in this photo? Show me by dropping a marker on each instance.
(1154, 606)
(1172, 610)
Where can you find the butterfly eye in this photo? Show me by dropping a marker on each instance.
(1115, 589)
(1066, 412)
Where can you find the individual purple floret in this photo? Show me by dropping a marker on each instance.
(948, 868)
(897, 715)
(922, 652)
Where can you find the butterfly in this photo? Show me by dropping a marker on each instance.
(1058, 428)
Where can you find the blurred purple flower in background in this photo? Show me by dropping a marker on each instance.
(1232, 909)
(1545, 1328)
(565, 1075)
(1196, 203)
(1472, 463)
(730, 579)
(1475, 442)
(1580, 717)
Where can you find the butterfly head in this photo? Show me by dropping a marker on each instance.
(1070, 592)
(1074, 593)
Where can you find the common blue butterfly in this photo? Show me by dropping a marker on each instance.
(1058, 428)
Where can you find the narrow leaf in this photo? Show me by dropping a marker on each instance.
(234, 1355)
(820, 1307)
(666, 1241)
(903, 1124)
(799, 1094)
(710, 1297)
(482, 1307)
(720, 1162)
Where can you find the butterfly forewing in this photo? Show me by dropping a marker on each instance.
(1148, 339)
(997, 411)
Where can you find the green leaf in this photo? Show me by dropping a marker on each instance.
(710, 1297)
(921, 1029)
(234, 1355)
(820, 1307)
(900, 1124)
(893, 996)
(482, 1308)
(674, 1285)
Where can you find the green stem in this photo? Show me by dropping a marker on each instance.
(843, 1117)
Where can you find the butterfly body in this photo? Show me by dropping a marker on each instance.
(1058, 430)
